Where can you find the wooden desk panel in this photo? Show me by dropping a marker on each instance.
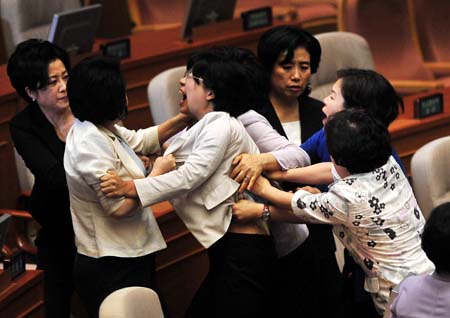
(24, 297)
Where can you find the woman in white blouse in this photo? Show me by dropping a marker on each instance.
(115, 238)
(218, 89)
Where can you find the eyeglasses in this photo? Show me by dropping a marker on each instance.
(195, 78)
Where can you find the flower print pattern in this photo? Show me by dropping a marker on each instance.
(391, 233)
(313, 204)
(368, 263)
(373, 202)
(301, 204)
(369, 218)
(376, 205)
(360, 196)
(327, 213)
(417, 213)
(378, 221)
(381, 174)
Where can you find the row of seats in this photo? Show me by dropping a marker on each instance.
(408, 38)
(152, 15)
(24, 19)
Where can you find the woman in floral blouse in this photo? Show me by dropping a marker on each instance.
(370, 204)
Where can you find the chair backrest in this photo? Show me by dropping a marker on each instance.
(26, 19)
(131, 302)
(339, 50)
(432, 25)
(430, 171)
(388, 28)
(163, 94)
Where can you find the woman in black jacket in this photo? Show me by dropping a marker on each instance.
(39, 71)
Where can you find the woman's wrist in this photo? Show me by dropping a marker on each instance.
(130, 191)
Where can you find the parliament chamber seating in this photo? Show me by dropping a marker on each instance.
(430, 172)
(26, 19)
(163, 94)
(164, 14)
(339, 50)
(389, 29)
(131, 302)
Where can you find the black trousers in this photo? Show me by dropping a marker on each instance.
(240, 278)
(96, 278)
(57, 263)
(308, 284)
(357, 301)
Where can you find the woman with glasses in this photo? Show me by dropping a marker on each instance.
(39, 71)
(116, 238)
(218, 89)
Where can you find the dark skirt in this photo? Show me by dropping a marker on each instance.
(240, 278)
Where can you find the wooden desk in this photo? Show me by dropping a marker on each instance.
(24, 297)
(409, 134)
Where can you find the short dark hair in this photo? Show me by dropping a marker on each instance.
(28, 65)
(370, 91)
(357, 141)
(436, 237)
(233, 74)
(96, 90)
(287, 38)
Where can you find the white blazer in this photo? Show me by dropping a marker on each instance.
(91, 151)
(200, 189)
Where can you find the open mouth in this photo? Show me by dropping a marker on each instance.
(183, 95)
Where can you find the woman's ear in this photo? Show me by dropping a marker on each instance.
(31, 93)
(210, 95)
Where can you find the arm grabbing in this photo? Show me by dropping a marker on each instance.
(248, 167)
(114, 186)
(319, 173)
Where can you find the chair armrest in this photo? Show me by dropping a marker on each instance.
(17, 213)
(405, 87)
(438, 67)
(18, 233)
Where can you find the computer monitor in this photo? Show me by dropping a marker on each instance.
(201, 12)
(74, 30)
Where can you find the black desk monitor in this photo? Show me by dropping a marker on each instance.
(74, 30)
(202, 12)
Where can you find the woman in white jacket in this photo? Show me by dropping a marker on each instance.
(115, 237)
(218, 90)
